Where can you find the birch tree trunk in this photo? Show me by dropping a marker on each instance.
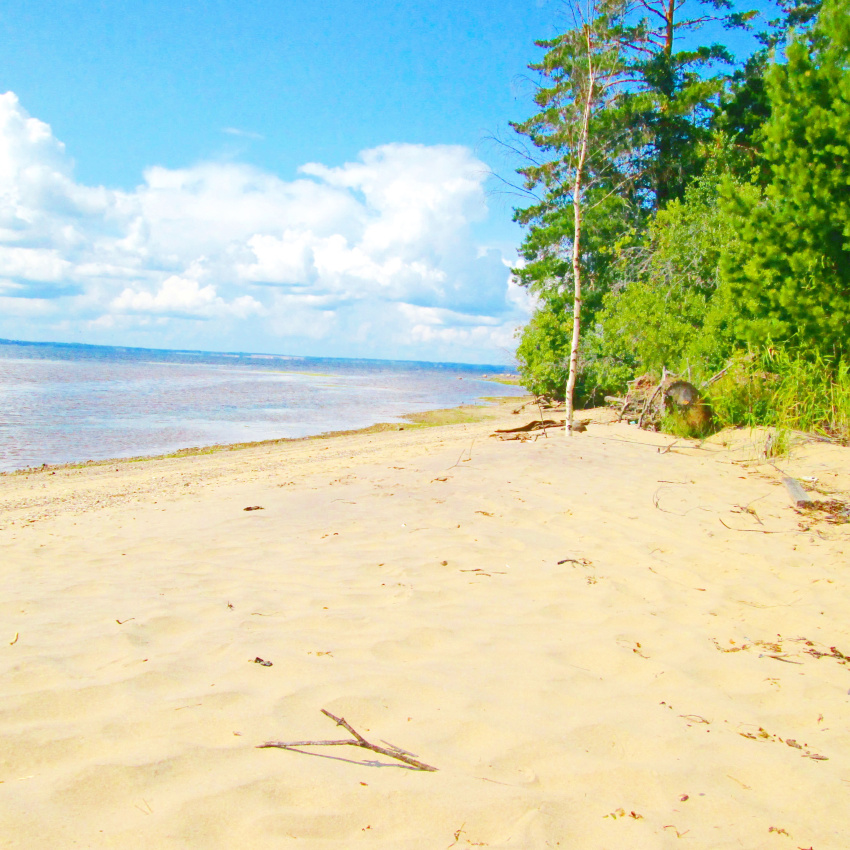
(577, 200)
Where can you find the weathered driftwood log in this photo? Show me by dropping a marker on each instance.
(539, 425)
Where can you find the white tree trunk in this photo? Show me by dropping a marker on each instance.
(571, 380)
(577, 200)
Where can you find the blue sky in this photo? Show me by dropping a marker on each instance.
(294, 177)
(127, 85)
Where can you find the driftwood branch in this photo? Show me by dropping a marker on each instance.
(799, 497)
(358, 741)
(652, 398)
(536, 425)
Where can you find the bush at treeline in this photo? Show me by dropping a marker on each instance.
(715, 203)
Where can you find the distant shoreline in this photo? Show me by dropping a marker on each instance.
(252, 355)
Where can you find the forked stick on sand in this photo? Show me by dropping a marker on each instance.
(359, 741)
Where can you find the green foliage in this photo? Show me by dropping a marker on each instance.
(743, 396)
(672, 107)
(582, 84)
(678, 425)
(650, 113)
(789, 271)
(673, 310)
(543, 358)
(544, 349)
(647, 107)
(707, 243)
(782, 389)
(610, 226)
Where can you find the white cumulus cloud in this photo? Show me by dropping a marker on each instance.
(375, 257)
(183, 297)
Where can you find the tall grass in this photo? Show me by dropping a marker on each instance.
(785, 391)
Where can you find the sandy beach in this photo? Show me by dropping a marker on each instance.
(615, 640)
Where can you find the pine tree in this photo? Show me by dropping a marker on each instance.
(745, 105)
(675, 91)
(790, 270)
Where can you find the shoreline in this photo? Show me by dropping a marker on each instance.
(34, 493)
(616, 639)
(128, 427)
(422, 419)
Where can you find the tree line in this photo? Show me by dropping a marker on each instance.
(689, 212)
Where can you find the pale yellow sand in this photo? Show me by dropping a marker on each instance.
(410, 582)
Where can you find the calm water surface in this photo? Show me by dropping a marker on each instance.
(67, 403)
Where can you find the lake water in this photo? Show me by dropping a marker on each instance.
(70, 403)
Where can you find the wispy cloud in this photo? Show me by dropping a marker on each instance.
(244, 134)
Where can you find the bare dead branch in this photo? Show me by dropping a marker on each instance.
(652, 397)
(716, 377)
(662, 15)
(358, 741)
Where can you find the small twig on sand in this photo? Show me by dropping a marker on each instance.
(755, 530)
(359, 741)
(655, 498)
(461, 458)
